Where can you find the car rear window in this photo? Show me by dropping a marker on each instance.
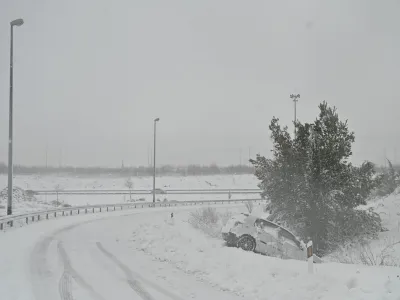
(263, 223)
(272, 228)
(289, 236)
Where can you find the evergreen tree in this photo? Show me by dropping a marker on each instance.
(312, 186)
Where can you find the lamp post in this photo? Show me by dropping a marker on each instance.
(295, 100)
(154, 160)
(17, 22)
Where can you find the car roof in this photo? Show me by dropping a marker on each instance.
(250, 218)
(272, 223)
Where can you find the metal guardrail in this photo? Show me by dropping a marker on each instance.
(8, 221)
(145, 192)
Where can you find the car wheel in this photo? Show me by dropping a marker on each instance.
(247, 243)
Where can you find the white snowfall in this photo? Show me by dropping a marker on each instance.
(144, 254)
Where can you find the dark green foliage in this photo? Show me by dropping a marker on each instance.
(312, 187)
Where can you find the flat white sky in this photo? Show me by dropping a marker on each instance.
(90, 77)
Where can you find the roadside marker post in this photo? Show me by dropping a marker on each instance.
(310, 257)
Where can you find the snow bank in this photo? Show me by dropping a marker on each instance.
(386, 249)
(257, 276)
(24, 202)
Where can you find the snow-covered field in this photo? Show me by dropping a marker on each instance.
(35, 182)
(146, 255)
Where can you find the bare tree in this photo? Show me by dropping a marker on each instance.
(129, 185)
(58, 188)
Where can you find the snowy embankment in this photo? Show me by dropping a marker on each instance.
(23, 202)
(259, 277)
(382, 251)
(26, 203)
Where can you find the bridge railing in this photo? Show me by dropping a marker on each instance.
(145, 192)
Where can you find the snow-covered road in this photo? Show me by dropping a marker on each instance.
(80, 258)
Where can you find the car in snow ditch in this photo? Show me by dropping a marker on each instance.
(252, 233)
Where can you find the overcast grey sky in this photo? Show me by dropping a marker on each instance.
(90, 77)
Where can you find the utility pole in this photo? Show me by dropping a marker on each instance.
(385, 157)
(249, 156)
(295, 99)
(148, 156)
(154, 161)
(46, 154)
(60, 159)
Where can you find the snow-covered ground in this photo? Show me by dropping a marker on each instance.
(382, 251)
(82, 257)
(41, 202)
(145, 252)
(255, 276)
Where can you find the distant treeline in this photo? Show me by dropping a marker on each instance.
(190, 170)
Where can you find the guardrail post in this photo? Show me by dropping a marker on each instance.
(38, 217)
(33, 218)
(70, 213)
(47, 216)
(78, 211)
(85, 210)
(114, 208)
(1, 226)
(55, 214)
(93, 209)
(100, 208)
(107, 208)
(26, 219)
(11, 223)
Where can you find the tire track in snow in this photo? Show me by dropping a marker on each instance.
(64, 287)
(134, 283)
(41, 276)
(65, 291)
(43, 279)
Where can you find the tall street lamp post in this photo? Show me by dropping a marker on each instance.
(295, 99)
(17, 22)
